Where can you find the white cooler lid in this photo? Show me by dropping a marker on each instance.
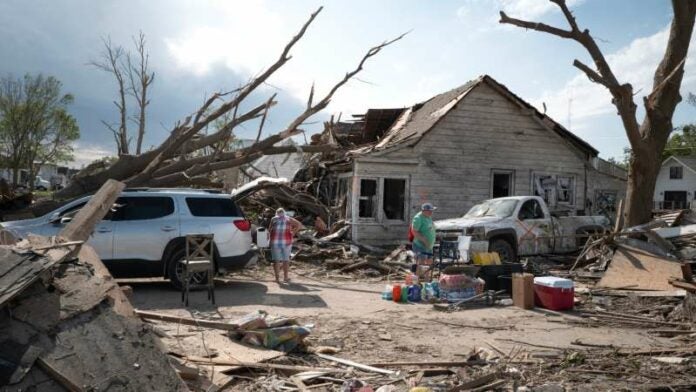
(552, 281)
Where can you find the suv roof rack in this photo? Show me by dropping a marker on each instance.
(146, 189)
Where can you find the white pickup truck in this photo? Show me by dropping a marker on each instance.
(518, 226)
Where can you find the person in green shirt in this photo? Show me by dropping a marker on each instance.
(424, 240)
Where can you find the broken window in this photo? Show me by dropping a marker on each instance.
(502, 184)
(394, 200)
(676, 173)
(368, 195)
(565, 190)
(545, 187)
(554, 188)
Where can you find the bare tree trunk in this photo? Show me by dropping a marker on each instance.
(641, 184)
(112, 63)
(647, 139)
(140, 80)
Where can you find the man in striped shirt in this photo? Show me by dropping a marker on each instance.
(282, 228)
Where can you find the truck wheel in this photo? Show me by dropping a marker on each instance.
(175, 271)
(504, 250)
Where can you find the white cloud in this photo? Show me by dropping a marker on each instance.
(634, 63)
(532, 9)
(249, 36)
(483, 15)
(86, 153)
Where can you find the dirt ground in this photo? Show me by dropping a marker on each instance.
(352, 316)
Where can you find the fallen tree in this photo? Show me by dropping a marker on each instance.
(189, 157)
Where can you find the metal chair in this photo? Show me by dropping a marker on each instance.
(448, 254)
(198, 259)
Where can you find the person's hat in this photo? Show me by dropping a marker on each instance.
(428, 207)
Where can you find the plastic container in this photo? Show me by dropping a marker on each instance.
(396, 293)
(404, 294)
(387, 293)
(554, 293)
(414, 293)
(262, 239)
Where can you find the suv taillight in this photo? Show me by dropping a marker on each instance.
(243, 224)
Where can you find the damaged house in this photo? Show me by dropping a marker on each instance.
(475, 142)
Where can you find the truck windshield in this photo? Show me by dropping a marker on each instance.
(494, 207)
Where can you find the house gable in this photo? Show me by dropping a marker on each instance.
(668, 188)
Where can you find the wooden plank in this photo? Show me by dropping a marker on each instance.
(688, 286)
(356, 365)
(427, 363)
(81, 226)
(261, 365)
(476, 382)
(639, 270)
(64, 381)
(619, 217)
(187, 320)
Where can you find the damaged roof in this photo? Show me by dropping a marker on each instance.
(416, 121)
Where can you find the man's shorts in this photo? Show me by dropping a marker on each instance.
(281, 253)
(421, 253)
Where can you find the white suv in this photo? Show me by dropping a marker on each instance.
(144, 234)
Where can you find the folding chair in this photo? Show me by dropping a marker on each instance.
(199, 259)
(448, 254)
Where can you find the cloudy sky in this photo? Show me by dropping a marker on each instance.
(199, 47)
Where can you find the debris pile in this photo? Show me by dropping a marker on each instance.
(655, 257)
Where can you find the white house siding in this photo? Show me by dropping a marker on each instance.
(664, 183)
(486, 131)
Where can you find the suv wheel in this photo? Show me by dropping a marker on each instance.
(504, 250)
(175, 270)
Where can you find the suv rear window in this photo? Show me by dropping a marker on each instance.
(141, 208)
(209, 206)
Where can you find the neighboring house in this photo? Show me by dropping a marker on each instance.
(676, 183)
(275, 166)
(55, 174)
(458, 148)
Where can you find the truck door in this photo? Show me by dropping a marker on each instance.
(534, 231)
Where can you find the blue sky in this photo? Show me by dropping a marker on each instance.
(199, 47)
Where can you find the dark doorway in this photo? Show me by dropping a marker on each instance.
(502, 184)
(675, 200)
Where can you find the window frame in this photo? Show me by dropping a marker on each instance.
(381, 201)
(510, 172)
(380, 217)
(553, 199)
(573, 196)
(680, 171)
(359, 197)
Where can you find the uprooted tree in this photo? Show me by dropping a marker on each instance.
(648, 138)
(188, 156)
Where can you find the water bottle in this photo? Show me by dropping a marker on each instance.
(396, 293)
(404, 294)
(414, 293)
(387, 293)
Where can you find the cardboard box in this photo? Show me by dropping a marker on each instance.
(523, 290)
